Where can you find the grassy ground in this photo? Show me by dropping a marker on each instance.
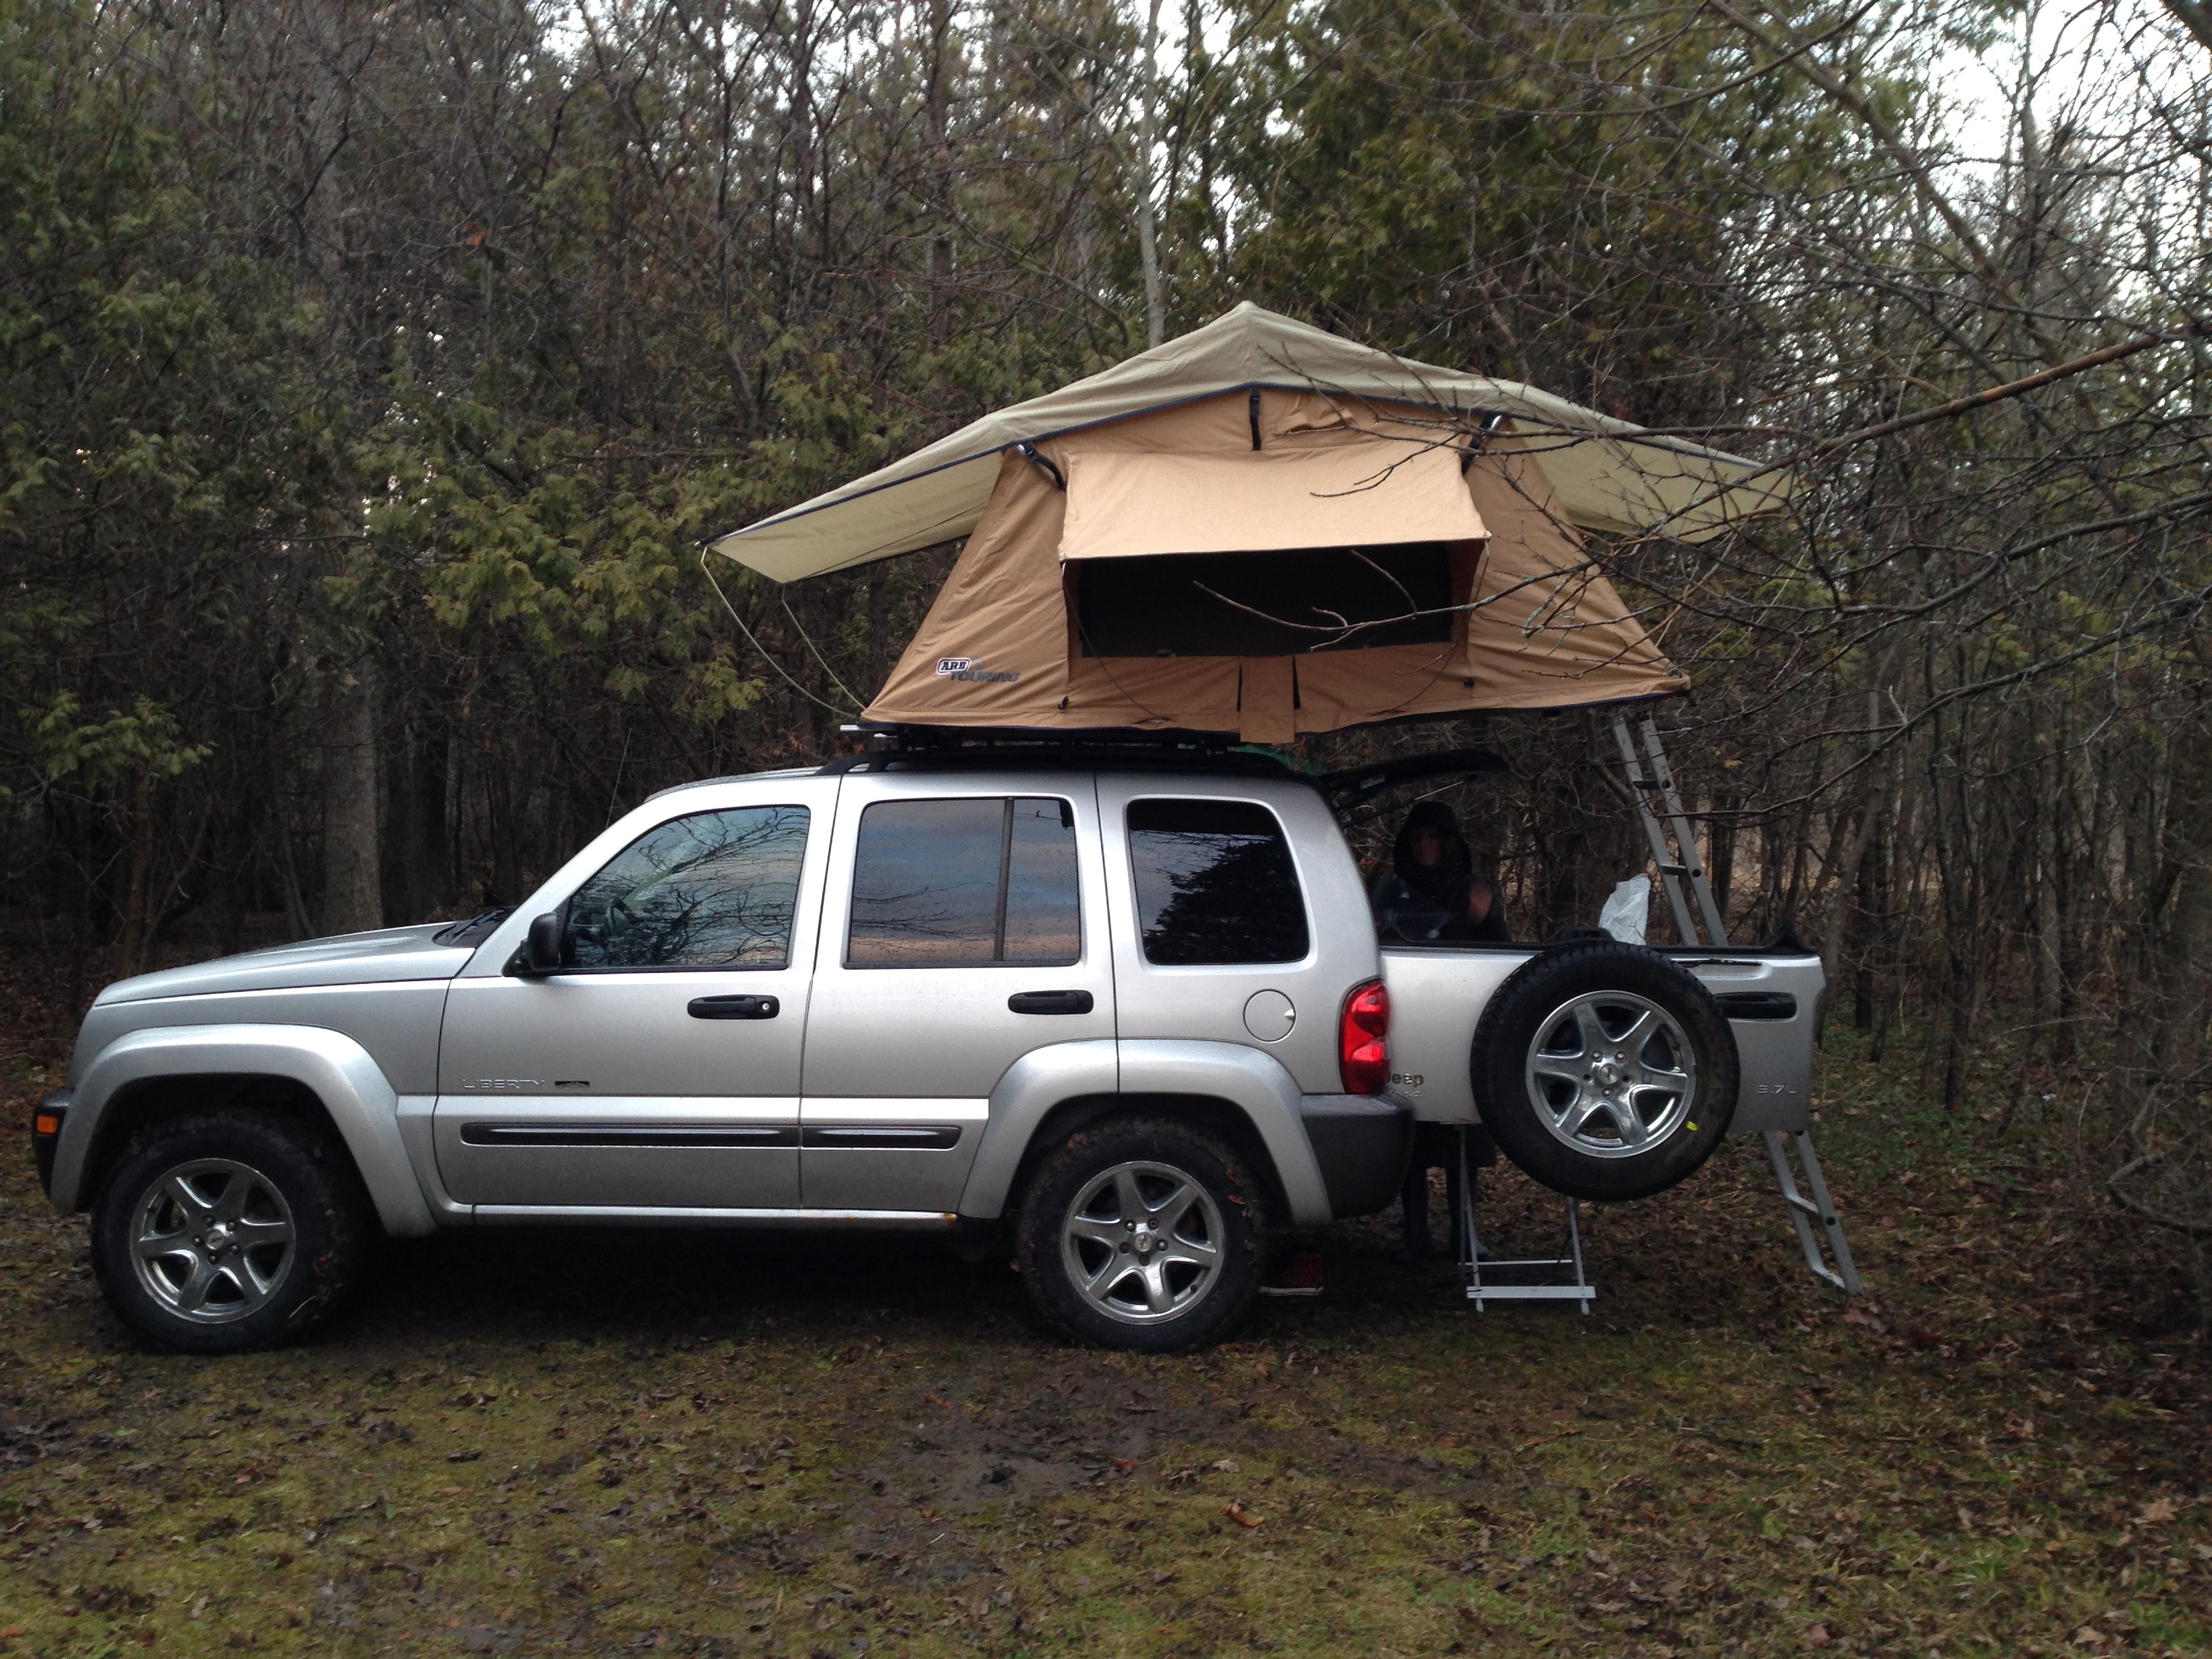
(521, 1444)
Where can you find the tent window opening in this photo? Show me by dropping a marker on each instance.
(1215, 884)
(955, 884)
(1264, 605)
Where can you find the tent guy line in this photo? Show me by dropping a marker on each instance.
(763, 650)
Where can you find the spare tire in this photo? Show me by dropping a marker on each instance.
(1605, 1071)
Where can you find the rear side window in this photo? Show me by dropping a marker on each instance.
(710, 890)
(952, 884)
(1215, 884)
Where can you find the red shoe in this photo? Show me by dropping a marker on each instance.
(1300, 1276)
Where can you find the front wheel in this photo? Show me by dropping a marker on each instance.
(227, 1231)
(1143, 1234)
(1605, 1071)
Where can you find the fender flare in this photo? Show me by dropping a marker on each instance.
(330, 1065)
(1028, 1088)
(1253, 1082)
(1257, 1084)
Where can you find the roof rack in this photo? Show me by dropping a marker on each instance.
(936, 739)
(950, 749)
(937, 748)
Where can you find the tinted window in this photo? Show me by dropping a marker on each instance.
(945, 884)
(1042, 921)
(713, 889)
(1215, 882)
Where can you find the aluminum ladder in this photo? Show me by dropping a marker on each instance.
(1682, 873)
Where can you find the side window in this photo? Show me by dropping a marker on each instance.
(949, 883)
(1215, 884)
(712, 889)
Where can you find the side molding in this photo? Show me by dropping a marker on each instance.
(335, 1068)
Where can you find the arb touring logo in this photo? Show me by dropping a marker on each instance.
(965, 668)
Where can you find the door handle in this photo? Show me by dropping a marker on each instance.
(1050, 1002)
(748, 1007)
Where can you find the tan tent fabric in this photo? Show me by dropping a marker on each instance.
(1368, 492)
(1540, 627)
(1608, 474)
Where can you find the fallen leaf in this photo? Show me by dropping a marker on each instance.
(2158, 1512)
(1815, 1636)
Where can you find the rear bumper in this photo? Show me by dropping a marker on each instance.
(46, 1120)
(1362, 1143)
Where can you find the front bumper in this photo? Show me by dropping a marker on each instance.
(47, 1118)
(1362, 1143)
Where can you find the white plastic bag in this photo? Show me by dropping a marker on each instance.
(1627, 910)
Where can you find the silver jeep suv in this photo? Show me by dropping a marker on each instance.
(1128, 1015)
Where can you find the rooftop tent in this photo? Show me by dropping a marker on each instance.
(1264, 529)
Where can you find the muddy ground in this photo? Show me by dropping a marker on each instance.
(713, 1443)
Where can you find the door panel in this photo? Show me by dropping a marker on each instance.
(1219, 936)
(949, 903)
(659, 1082)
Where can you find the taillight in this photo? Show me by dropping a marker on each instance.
(1361, 1056)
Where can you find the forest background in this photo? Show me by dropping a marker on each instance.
(372, 376)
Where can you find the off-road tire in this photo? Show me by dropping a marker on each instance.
(321, 1202)
(1234, 1202)
(1526, 1110)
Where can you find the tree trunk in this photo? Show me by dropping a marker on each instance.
(1148, 252)
(934, 102)
(131, 949)
(879, 583)
(353, 899)
(415, 846)
(1719, 870)
(1869, 923)
(2184, 942)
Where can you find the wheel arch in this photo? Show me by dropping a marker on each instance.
(320, 1076)
(1244, 1096)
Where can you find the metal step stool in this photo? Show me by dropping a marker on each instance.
(1576, 1289)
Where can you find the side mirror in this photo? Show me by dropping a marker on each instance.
(541, 947)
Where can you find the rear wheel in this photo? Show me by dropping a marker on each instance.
(223, 1231)
(1605, 1071)
(1143, 1234)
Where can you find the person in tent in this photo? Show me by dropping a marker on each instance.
(1430, 888)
